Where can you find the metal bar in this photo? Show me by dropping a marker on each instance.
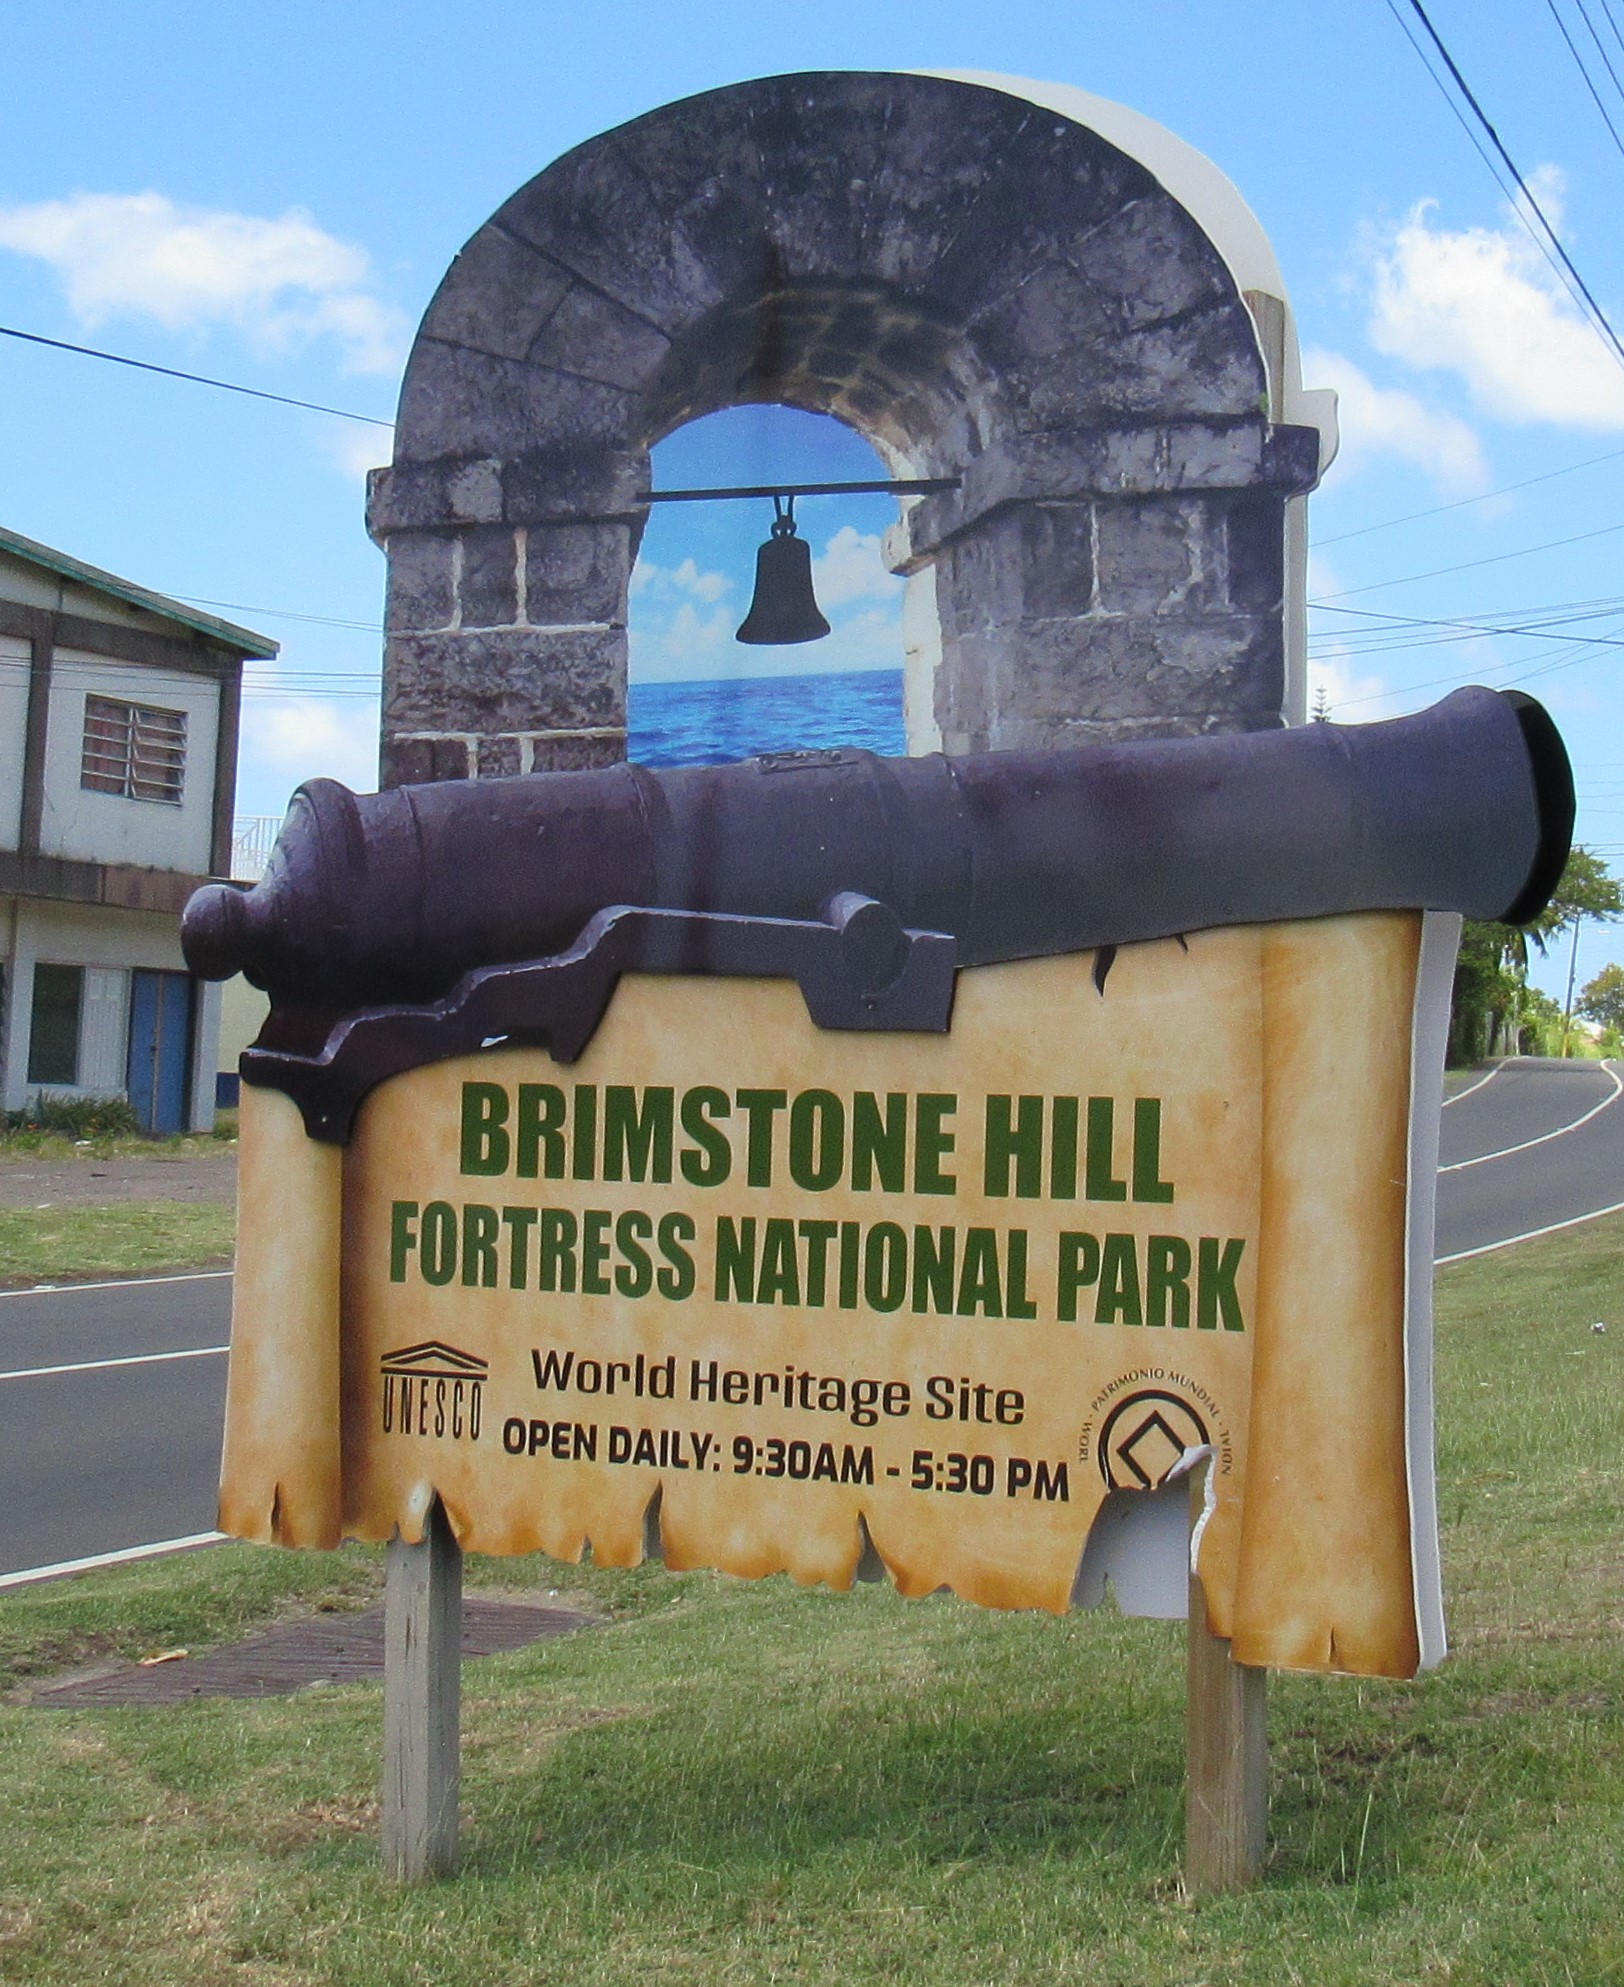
(915, 487)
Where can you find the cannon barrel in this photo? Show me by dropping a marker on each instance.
(390, 897)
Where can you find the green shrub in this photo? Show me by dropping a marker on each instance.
(75, 1117)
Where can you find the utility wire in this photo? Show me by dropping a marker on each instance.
(1468, 565)
(197, 379)
(1601, 46)
(1602, 323)
(1436, 510)
(1579, 64)
(1472, 629)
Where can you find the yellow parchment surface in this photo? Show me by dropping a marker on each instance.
(1234, 1260)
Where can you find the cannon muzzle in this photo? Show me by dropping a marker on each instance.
(392, 897)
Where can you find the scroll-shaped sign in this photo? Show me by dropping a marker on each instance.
(836, 1165)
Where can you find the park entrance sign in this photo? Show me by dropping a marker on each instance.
(625, 1249)
(853, 1167)
(780, 1299)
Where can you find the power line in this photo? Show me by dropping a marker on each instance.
(1599, 316)
(1601, 46)
(1579, 64)
(1472, 629)
(1467, 565)
(196, 379)
(1437, 510)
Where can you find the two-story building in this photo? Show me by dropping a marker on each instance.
(118, 763)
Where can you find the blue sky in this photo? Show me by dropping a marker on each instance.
(271, 195)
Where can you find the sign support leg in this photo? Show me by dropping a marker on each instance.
(1226, 1721)
(422, 1703)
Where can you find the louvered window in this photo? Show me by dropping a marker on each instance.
(136, 750)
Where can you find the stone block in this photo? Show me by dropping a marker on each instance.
(1025, 561)
(1052, 184)
(577, 572)
(417, 761)
(599, 215)
(1109, 669)
(1291, 458)
(458, 402)
(1254, 535)
(1053, 314)
(488, 588)
(1057, 559)
(1148, 561)
(577, 752)
(496, 296)
(1153, 263)
(595, 338)
(526, 679)
(422, 591)
(573, 483)
(500, 756)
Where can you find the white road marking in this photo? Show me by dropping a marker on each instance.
(1467, 1092)
(130, 1552)
(1505, 1151)
(121, 1283)
(101, 1365)
(1533, 1234)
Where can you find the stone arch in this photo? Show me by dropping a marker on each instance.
(981, 284)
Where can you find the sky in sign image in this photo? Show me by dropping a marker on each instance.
(271, 196)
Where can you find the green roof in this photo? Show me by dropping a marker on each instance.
(243, 640)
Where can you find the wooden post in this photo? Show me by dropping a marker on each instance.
(1226, 1716)
(422, 1702)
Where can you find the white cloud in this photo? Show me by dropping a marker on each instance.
(1484, 303)
(355, 449)
(281, 282)
(686, 579)
(850, 568)
(305, 738)
(1350, 697)
(1386, 421)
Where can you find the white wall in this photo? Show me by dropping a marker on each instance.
(103, 827)
(14, 657)
(114, 941)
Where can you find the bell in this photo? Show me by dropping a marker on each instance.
(783, 609)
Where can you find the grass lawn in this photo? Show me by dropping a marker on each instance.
(113, 1238)
(735, 1783)
(56, 1146)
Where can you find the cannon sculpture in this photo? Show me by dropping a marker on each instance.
(406, 926)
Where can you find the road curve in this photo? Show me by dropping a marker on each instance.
(1538, 1146)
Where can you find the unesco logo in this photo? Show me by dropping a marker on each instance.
(433, 1389)
(1144, 1436)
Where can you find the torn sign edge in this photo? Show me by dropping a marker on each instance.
(1429, 1033)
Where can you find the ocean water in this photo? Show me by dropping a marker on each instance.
(709, 724)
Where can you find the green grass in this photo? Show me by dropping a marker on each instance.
(113, 1238)
(735, 1783)
(57, 1146)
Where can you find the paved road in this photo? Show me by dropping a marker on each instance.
(1539, 1144)
(122, 1456)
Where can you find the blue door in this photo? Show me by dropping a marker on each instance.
(160, 1049)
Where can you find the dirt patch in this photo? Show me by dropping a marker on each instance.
(38, 1183)
(302, 1655)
